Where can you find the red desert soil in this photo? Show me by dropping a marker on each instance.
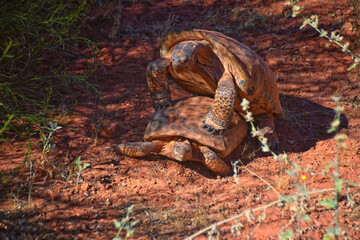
(174, 200)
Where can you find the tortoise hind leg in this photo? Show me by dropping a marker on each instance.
(214, 162)
(137, 149)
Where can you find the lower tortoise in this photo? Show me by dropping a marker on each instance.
(208, 63)
(176, 132)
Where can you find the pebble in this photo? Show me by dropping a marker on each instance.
(290, 141)
(112, 130)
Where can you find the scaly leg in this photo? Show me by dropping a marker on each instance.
(156, 77)
(214, 162)
(138, 149)
(222, 108)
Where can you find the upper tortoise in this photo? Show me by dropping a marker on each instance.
(211, 64)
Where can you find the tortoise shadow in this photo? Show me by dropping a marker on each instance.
(303, 125)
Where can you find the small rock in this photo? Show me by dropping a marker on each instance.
(290, 141)
(108, 202)
(112, 130)
(84, 187)
(347, 29)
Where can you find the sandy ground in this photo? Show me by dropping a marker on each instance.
(174, 200)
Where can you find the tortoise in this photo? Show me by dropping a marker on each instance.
(176, 132)
(208, 63)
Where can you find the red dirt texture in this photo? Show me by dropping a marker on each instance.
(173, 200)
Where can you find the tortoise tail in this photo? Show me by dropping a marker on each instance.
(137, 149)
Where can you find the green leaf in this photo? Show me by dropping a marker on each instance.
(291, 173)
(330, 234)
(117, 238)
(327, 167)
(305, 218)
(129, 233)
(42, 136)
(301, 188)
(289, 234)
(353, 66)
(338, 185)
(77, 161)
(117, 223)
(288, 198)
(85, 165)
(57, 128)
(329, 203)
(331, 130)
(130, 209)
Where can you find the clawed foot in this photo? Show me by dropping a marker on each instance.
(161, 104)
(266, 128)
(211, 129)
(272, 138)
(273, 141)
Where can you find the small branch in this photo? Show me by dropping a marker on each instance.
(251, 172)
(232, 218)
(253, 210)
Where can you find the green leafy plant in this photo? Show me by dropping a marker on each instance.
(125, 224)
(46, 134)
(77, 168)
(39, 40)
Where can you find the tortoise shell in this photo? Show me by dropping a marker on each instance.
(184, 119)
(252, 76)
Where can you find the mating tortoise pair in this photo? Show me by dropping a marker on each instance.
(210, 64)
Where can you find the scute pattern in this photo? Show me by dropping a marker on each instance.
(247, 68)
(184, 119)
(176, 132)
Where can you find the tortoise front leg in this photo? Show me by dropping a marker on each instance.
(138, 149)
(222, 108)
(156, 77)
(214, 162)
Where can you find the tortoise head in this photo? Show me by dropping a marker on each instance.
(184, 55)
(182, 151)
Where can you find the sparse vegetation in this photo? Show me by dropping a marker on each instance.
(125, 224)
(39, 40)
(334, 36)
(298, 203)
(301, 199)
(294, 194)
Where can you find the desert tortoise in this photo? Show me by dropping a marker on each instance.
(211, 64)
(176, 132)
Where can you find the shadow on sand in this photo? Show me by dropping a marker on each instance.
(303, 125)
